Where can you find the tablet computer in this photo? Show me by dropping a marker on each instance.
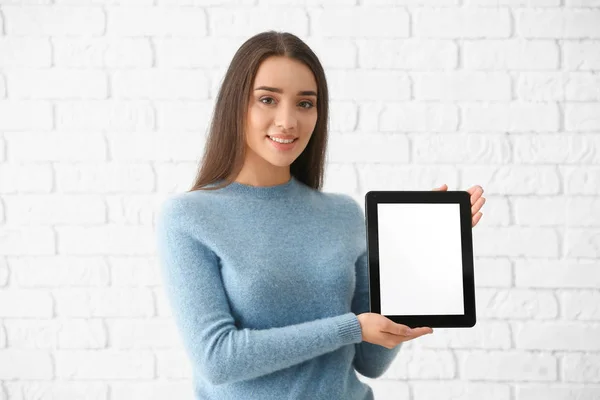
(420, 257)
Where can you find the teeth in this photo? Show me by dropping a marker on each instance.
(281, 140)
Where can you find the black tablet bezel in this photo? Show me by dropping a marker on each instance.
(373, 198)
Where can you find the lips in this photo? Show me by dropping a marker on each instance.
(285, 137)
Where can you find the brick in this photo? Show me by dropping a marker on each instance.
(462, 86)
(104, 178)
(581, 305)
(516, 241)
(514, 179)
(4, 272)
(581, 179)
(465, 149)
(511, 54)
(368, 85)
(57, 84)
(334, 52)
(510, 117)
(59, 271)
(82, 334)
(583, 211)
(130, 271)
(33, 20)
(508, 366)
(190, 52)
(160, 84)
(26, 390)
(228, 22)
(422, 364)
(581, 55)
(175, 177)
(582, 242)
(581, 368)
(556, 148)
(461, 390)
(558, 391)
(408, 117)
(25, 364)
(173, 364)
(557, 274)
(360, 22)
(565, 335)
(26, 240)
(25, 52)
(533, 211)
(56, 146)
(393, 177)
(484, 335)
(343, 116)
(112, 302)
(582, 117)
(340, 177)
(92, 52)
(17, 115)
(132, 209)
(24, 303)
(105, 240)
(31, 334)
(152, 146)
(104, 116)
(152, 390)
(461, 23)
(516, 304)
(105, 364)
(183, 115)
(51, 209)
(492, 272)
(410, 53)
(368, 147)
(155, 21)
(156, 333)
(559, 23)
(583, 86)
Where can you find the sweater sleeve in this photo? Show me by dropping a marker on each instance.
(217, 348)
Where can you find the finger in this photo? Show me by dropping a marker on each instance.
(397, 329)
(475, 190)
(476, 193)
(441, 188)
(477, 206)
(476, 218)
(418, 332)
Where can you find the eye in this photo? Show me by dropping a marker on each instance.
(310, 105)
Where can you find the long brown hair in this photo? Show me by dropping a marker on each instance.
(225, 149)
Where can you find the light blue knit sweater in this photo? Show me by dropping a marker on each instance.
(265, 284)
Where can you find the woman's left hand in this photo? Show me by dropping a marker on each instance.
(477, 201)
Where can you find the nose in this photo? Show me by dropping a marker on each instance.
(286, 117)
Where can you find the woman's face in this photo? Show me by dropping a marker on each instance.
(278, 108)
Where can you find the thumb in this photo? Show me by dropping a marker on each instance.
(443, 187)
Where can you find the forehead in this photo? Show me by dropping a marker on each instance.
(283, 72)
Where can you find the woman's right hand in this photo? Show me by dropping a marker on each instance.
(381, 330)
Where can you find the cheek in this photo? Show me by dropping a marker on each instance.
(258, 120)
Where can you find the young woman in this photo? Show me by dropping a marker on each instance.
(267, 275)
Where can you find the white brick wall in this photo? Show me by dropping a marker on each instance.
(104, 108)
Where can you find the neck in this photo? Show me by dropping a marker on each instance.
(264, 179)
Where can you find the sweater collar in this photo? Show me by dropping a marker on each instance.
(263, 192)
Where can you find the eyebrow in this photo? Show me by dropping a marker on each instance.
(277, 90)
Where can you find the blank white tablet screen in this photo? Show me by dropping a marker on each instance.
(420, 259)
